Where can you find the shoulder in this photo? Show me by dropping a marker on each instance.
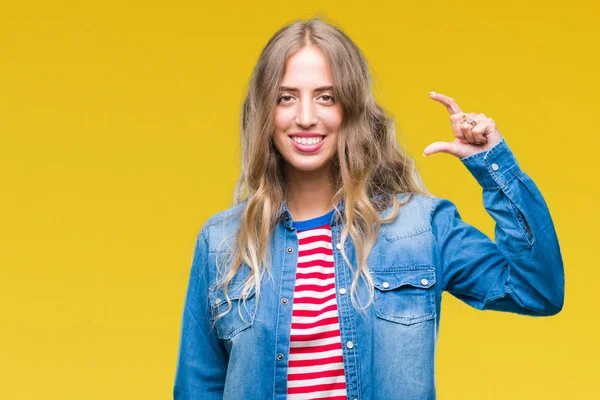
(222, 225)
(234, 212)
(414, 217)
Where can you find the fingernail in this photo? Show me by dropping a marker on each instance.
(432, 93)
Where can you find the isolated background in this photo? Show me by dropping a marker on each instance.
(119, 138)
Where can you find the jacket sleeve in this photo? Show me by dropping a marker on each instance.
(522, 271)
(202, 358)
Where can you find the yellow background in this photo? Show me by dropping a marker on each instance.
(119, 138)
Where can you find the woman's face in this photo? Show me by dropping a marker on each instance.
(307, 116)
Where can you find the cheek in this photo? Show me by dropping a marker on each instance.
(332, 119)
(282, 119)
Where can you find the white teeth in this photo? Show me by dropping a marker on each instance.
(307, 141)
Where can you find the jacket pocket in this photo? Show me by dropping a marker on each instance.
(405, 295)
(239, 317)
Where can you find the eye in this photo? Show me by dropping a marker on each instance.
(285, 96)
(328, 98)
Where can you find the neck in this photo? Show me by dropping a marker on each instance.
(310, 193)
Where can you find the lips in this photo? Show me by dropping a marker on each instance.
(306, 134)
(308, 148)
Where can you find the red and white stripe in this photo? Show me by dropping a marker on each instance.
(315, 366)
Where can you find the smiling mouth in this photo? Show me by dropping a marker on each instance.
(307, 145)
(307, 141)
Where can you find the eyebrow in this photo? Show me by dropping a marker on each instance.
(291, 89)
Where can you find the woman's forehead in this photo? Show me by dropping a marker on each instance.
(307, 68)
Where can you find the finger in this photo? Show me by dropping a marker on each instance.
(442, 147)
(449, 102)
(490, 127)
(466, 129)
(480, 130)
(456, 121)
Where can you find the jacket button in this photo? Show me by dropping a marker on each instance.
(338, 246)
(287, 217)
(424, 282)
(284, 301)
(290, 250)
(385, 285)
(217, 302)
(495, 167)
(349, 344)
(280, 356)
(342, 290)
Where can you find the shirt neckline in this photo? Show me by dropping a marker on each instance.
(313, 222)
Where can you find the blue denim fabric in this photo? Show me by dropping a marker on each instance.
(390, 352)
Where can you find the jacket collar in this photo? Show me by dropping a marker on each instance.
(286, 216)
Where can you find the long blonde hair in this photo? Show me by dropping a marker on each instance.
(369, 169)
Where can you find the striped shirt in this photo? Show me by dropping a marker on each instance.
(315, 366)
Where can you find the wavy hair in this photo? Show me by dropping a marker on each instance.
(369, 168)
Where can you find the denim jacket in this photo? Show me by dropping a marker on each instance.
(389, 353)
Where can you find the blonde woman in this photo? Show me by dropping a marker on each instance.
(325, 279)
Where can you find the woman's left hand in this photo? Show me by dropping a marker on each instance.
(468, 139)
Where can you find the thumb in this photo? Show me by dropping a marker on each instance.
(441, 147)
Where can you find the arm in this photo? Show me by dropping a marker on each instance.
(202, 359)
(522, 272)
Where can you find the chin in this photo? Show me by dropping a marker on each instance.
(308, 166)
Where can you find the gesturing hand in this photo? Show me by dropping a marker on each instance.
(481, 134)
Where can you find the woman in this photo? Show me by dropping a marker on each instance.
(325, 279)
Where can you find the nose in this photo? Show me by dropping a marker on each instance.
(306, 115)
